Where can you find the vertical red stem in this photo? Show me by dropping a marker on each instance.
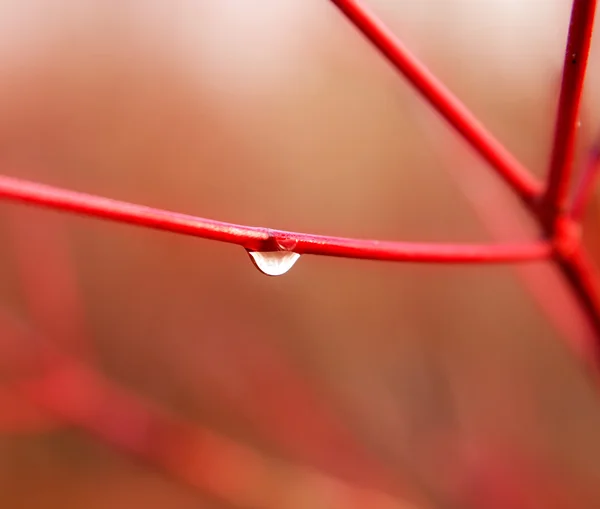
(576, 57)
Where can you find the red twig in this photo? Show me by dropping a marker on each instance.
(284, 410)
(264, 239)
(214, 464)
(575, 268)
(18, 359)
(576, 57)
(306, 429)
(492, 206)
(65, 391)
(448, 105)
(585, 187)
(50, 288)
(583, 279)
(80, 396)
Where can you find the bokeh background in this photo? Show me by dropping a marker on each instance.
(278, 113)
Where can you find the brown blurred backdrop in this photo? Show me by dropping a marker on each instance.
(278, 113)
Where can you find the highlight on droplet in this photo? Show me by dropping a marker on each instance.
(273, 263)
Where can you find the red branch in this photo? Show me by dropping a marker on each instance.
(264, 239)
(36, 237)
(78, 395)
(448, 105)
(214, 464)
(576, 57)
(48, 388)
(582, 276)
(229, 471)
(585, 187)
(569, 254)
(547, 286)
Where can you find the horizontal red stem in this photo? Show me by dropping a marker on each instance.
(444, 101)
(264, 239)
(576, 57)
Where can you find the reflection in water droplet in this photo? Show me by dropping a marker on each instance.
(287, 244)
(274, 263)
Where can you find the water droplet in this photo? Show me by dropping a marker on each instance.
(286, 243)
(273, 263)
(578, 124)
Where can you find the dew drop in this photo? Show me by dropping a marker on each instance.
(273, 263)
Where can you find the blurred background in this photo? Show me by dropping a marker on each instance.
(448, 387)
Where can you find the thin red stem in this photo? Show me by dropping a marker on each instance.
(208, 461)
(583, 279)
(494, 209)
(264, 239)
(585, 188)
(42, 236)
(575, 64)
(78, 395)
(444, 101)
(576, 268)
(20, 353)
(65, 391)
